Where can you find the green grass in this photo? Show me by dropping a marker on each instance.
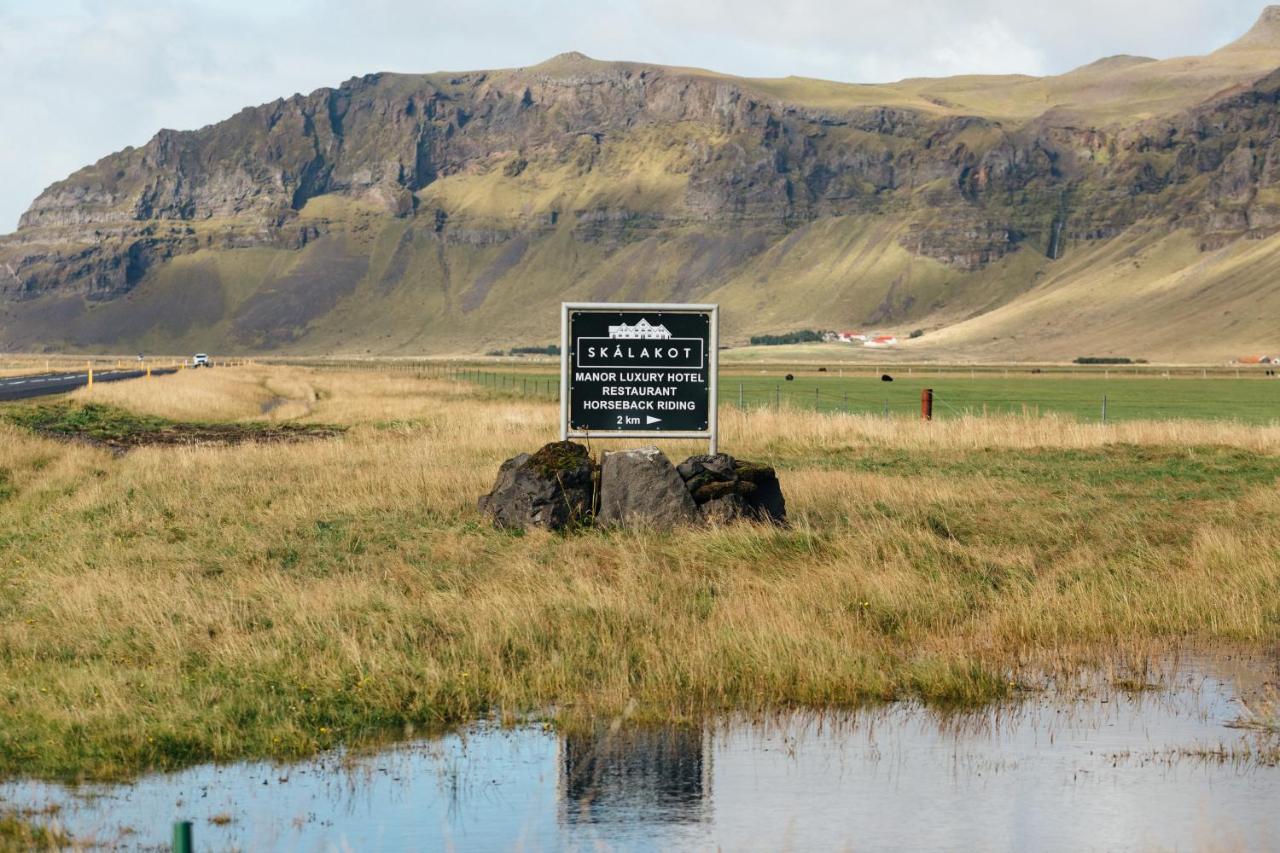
(17, 833)
(116, 427)
(93, 421)
(160, 609)
(1141, 509)
(1152, 474)
(1251, 400)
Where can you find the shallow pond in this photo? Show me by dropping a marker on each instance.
(1082, 766)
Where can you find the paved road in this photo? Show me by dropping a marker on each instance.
(39, 384)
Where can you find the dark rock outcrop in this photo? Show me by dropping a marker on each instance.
(641, 488)
(553, 488)
(556, 488)
(726, 489)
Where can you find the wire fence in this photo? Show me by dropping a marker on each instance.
(1098, 399)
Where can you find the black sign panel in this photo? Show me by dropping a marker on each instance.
(639, 371)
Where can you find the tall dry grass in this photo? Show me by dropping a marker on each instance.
(181, 604)
(370, 397)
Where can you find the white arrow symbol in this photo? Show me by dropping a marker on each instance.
(650, 419)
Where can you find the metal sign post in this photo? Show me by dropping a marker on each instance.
(639, 370)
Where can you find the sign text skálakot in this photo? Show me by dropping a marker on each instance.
(638, 369)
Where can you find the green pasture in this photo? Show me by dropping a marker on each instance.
(1253, 398)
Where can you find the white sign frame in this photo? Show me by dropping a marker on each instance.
(710, 434)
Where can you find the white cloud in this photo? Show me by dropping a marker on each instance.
(83, 78)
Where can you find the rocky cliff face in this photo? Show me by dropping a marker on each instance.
(616, 154)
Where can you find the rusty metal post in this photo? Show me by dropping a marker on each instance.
(926, 404)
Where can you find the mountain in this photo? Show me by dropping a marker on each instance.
(1130, 206)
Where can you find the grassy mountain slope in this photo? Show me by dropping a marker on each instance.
(1128, 206)
(1118, 89)
(1154, 294)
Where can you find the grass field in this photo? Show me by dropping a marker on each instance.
(22, 832)
(1253, 398)
(171, 605)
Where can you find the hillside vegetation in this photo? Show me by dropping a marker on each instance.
(1131, 205)
(347, 588)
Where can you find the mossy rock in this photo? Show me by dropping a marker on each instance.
(552, 488)
(725, 488)
(722, 488)
(559, 457)
(753, 472)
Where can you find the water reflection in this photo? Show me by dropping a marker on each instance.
(617, 774)
(1069, 769)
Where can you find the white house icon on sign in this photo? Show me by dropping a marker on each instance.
(642, 329)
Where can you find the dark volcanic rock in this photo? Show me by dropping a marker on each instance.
(552, 488)
(641, 488)
(725, 488)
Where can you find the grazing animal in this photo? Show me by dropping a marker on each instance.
(790, 378)
(884, 377)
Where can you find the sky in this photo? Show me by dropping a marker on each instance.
(83, 78)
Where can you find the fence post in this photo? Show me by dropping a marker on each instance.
(777, 397)
(182, 836)
(926, 404)
(1104, 409)
(817, 398)
(739, 395)
(886, 408)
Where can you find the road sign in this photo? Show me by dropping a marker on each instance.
(635, 370)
